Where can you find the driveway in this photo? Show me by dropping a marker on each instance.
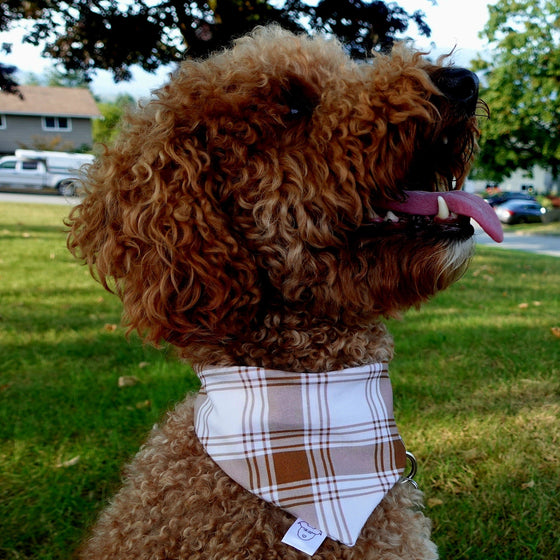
(39, 198)
(541, 244)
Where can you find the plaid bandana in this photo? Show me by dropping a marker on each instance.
(322, 446)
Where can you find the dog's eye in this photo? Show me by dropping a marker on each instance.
(300, 99)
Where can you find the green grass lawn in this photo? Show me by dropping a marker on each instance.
(476, 378)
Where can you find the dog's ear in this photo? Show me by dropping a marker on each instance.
(152, 229)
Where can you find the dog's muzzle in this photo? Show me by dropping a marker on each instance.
(460, 86)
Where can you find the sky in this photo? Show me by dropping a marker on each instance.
(454, 24)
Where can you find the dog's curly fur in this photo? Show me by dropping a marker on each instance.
(234, 217)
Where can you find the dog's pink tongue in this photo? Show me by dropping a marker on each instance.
(425, 203)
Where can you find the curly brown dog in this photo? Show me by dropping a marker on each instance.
(263, 213)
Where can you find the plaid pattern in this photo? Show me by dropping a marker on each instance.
(323, 446)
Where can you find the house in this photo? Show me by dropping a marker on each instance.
(47, 118)
(533, 181)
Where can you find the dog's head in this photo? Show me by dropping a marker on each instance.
(278, 179)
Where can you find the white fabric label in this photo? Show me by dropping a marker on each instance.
(304, 537)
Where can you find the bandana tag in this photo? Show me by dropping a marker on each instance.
(304, 537)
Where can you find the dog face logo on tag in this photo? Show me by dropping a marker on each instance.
(306, 532)
(304, 537)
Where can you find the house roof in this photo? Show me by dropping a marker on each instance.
(49, 101)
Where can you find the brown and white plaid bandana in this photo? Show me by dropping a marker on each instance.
(322, 446)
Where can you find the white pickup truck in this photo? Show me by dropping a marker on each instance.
(43, 170)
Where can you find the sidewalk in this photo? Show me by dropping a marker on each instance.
(541, 244)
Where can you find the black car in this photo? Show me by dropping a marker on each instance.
(517, 211)
(498, 199)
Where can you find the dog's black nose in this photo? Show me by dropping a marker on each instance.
(459, 85)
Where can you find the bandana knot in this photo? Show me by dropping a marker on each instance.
(322, 446)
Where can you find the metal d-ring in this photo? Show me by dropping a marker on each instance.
(409, 477)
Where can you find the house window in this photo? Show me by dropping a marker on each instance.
(2, 121)
(57, 124)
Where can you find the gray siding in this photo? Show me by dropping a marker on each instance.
(21, 131)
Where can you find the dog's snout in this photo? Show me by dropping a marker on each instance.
(459, 85)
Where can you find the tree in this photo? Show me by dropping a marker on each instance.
(7, 82)
(365, 26)
(85, 35)
(71, 79)
(57, 78)
(522, 88)
(105, 130)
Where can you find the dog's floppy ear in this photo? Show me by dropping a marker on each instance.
(152, 228)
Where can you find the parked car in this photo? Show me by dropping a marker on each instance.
(517, 211)
(39, 170)
(498, 199)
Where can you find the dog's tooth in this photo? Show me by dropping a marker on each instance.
(445, 140)
(373, 216)
(443, 209)
(390, 217)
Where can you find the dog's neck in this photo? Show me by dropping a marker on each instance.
(298, 344)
